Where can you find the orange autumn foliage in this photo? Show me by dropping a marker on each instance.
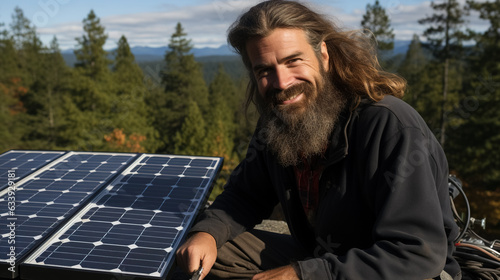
(118, 141)
(13, 91)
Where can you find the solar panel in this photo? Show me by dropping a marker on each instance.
(46, 198)
(17, 164)
(132, 228)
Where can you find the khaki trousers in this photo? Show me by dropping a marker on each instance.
(253, 252)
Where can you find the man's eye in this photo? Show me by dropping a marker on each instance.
(263, 73)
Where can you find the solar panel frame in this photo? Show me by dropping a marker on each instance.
(35, 267)
(24, 213)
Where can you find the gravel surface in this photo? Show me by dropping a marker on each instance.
(274, 226)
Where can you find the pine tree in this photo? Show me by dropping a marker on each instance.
(125, 68)
(90, 53)
(191, 138)
(422, 76)
(488, 42)
(183, 75)
(35, 71)
(12, 109)
(28, 50)
(475, 151)
(412, 69)
(49, 87)
(183, 81)
(9, 66)
(23, 33)
(221, 128)
(129, 107)
(221, 117)
(376, 21)
(93, 87)
(445, 40)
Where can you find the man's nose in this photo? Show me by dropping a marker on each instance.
(283, 78)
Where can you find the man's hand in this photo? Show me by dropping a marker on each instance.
(284, 273)
(199, 249)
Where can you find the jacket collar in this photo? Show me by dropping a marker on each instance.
(338, 142)
(339, 138)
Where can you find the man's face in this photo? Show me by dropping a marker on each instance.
(287, 70)
(299, 104)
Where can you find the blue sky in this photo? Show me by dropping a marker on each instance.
(151, 22)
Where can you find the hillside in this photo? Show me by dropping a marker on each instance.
(232, 66)
(151, 61)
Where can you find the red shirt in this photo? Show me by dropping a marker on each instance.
(308, 175)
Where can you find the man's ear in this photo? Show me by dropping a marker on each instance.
(325, 58)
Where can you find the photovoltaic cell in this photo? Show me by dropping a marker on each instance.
(46, 198)
(18, 164)
(133, 227)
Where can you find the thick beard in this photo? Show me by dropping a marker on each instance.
(291, 135)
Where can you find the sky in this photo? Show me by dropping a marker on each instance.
(152, 22)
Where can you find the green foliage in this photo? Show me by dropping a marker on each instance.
(445, 36)
(413, 68)
(183, 81)
(191, 138)
(131, 112)
(487, 55)
(45, 107)
(376, 21)
(470, 99)
(474, 152)
(90, 54)
(48, 105)
(445, 29)
(221, 132)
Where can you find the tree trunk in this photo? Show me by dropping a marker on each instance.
(443, 104)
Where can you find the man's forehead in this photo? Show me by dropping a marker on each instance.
(280, 43)
(283, 34)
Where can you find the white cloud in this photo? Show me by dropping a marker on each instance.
(206, 24)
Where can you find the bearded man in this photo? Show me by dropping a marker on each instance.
(361, 179)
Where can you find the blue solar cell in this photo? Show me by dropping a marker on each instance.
(134, 226)
(104, 214)
(179, 161)
(178, 205)
(105, 257)
(136, 217)
(141, 260)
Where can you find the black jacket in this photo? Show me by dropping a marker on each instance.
(384, 209)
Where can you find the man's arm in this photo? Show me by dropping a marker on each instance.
(248, 197)
(287, 272)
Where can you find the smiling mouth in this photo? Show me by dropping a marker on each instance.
(292, 99)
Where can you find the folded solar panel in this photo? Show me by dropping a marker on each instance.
(48, 196)
(106, 216)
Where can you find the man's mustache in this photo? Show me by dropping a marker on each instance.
(277, 96)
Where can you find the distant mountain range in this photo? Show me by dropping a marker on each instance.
(143, 53)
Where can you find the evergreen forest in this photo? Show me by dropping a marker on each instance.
(107, 101)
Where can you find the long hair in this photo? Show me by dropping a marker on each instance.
(353, 65)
